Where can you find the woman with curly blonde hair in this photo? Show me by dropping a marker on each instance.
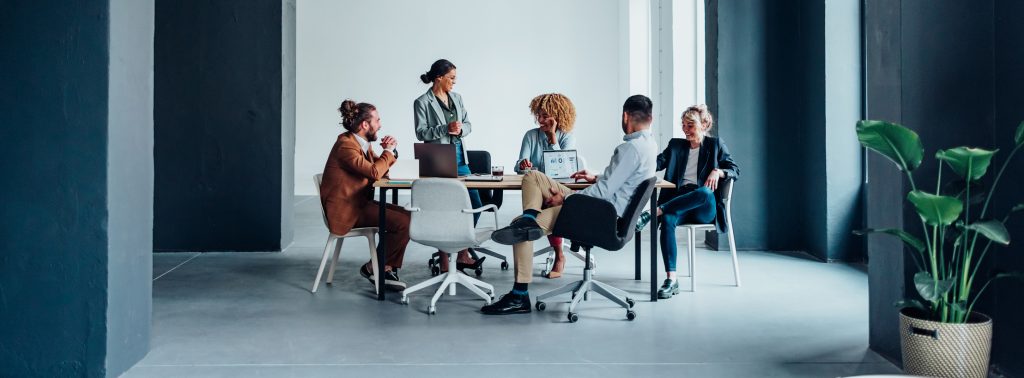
(555, 116)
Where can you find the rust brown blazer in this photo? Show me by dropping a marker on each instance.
(347, 185)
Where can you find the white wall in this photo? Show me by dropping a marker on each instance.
(506, 52)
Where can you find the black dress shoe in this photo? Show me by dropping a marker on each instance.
(509, 304)
(521, 229)
(668, 289)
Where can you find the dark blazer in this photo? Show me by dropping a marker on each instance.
(347, 185)
(713, 154)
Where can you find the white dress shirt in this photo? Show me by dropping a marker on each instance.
(632, 162)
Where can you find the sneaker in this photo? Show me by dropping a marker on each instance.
(392, 282)
(668, 288)
(645, 218)
(521, 229)
(366, 273)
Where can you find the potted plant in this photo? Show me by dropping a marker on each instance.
(942, 336)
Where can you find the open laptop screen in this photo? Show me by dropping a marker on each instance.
(560, 164)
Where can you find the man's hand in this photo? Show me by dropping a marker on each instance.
(585, 176)
(556, 198)
(713, 177)
(524, 164)
(388, 142)
(455, 128)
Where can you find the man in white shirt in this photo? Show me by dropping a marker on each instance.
(632, 162)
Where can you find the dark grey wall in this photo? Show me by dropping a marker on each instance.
(218, 126)
(75, 220)
(788, 121)
(884, 188)
(53, 112)
(130, 184)
(951, 71)
(1006, 305)
(737, 98)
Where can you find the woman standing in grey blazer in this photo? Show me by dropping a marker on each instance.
(441, 117)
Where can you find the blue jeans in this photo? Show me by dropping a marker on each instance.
(697, 206)
(474, 195)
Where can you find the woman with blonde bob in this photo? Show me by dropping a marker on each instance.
(555, 116)
(695, 165)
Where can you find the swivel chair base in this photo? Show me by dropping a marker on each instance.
(581, 291)
(448, 281)
(549, 263)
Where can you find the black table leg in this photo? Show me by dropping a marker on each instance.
(394, 196)
(654, 246)
(382, 244)
(636, 264)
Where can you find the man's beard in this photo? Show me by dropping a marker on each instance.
(371, 136)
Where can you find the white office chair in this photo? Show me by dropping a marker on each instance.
(442, 218)
(337, 240)
(691, 235)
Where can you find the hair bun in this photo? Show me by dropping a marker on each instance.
(348, 111)
(425, 78)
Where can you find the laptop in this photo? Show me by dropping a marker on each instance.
(404, 169)
(561, 164)
(436, 160)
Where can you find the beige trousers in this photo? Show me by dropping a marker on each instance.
(536, 189)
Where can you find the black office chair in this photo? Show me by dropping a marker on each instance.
(592, 222)
(479, 162)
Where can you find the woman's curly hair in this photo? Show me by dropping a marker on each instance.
(557, 106)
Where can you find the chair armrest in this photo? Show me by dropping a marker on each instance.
(480, 209)
(587, 220)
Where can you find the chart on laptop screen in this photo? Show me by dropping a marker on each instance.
(560, 164)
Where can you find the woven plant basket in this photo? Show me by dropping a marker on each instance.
(936, 349)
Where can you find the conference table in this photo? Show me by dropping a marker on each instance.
(514, 182)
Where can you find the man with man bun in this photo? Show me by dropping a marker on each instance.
(346, 191)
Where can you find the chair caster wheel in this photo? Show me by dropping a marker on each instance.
(478, 271)
(541, 306)
(405, 300)
(504, 265)
(435, 271)
(630, 315)
(630, 302)
(431, 310)
(573, 318)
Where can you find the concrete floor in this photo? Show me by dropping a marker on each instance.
(251, 314)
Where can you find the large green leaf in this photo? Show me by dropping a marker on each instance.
(911, 240)
(936, 210)
(898, 143)
(992, 229)
(930, 289)
(1018, 137)
(970, 163)
(913, 303)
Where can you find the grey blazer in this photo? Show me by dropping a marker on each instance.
(430, 124)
